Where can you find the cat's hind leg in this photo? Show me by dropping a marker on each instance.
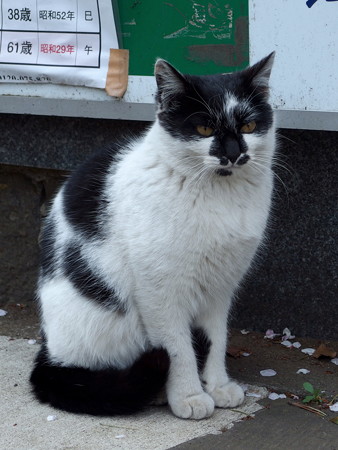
(94, 360)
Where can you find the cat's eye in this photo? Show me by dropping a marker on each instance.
(248, 127)
(204, 131)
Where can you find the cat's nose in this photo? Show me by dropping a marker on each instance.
(233, 151)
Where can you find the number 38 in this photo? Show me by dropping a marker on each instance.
(13, 14)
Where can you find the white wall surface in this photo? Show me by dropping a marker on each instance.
(305, 76)
(304, 80)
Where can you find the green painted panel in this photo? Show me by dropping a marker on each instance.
(198, 37)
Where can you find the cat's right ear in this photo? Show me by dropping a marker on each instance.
(170, 82)
(259, 74)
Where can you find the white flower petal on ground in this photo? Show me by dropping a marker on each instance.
(287, 334)
(32, 341)
(3, 312)
(270, 334)
(289, 344)
(268, 373)
(308, 351)
(253, 394)
(275, 396)
(120, 436)
(245, 354)
(335, 361)
(245, 331)
(304, 371)
(334, 407)
(51, 418)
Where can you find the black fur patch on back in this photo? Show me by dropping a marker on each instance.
(84, 201)
(88, 283)
(103, 392)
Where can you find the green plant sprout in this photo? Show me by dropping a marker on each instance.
(315, 394)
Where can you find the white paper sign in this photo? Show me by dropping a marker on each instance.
(61, 42)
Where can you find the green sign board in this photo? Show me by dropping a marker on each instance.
(198, 37)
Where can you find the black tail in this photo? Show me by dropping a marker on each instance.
(103, 392)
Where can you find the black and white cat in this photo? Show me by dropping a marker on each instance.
(145, 245)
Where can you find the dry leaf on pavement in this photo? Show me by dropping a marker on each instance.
(324, 350)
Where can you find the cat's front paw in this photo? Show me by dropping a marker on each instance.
(228, 395)
(197, 406)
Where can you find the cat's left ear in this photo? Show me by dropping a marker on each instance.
(170, 81)
(259, 74)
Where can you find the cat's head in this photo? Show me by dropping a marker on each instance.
(224, 119)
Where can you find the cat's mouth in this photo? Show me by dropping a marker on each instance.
(224, 172)
(227, 166)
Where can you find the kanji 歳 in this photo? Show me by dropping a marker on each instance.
(26, 48)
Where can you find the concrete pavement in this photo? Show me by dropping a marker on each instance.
(256, 425)
(26, 425)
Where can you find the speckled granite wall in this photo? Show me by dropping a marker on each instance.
(56, 142)
(294, 282)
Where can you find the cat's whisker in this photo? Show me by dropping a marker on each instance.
(196, 112)
(284, 166)
(193, 159)
(202, 102)
(276, 163)
(198, 164)
(280, 135)
(263, 169)
(198, 176)
(255, 93)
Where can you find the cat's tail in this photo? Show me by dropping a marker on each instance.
(100, 392)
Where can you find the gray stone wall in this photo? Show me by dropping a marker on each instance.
(294, 280)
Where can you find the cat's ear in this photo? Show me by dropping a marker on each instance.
(170, 81)
(259, 74)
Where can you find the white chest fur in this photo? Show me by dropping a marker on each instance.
(186, 237)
